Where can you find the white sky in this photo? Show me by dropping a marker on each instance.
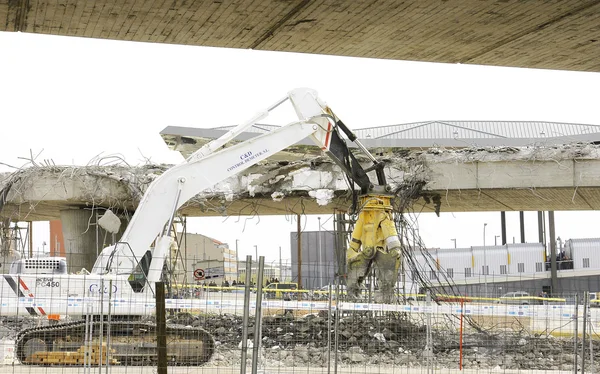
(72, 99)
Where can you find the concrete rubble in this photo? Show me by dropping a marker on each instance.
(386, 341)
(316, 179)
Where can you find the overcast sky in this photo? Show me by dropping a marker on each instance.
(72, 99)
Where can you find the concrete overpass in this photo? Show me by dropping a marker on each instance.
(533, 34)
(532, 178)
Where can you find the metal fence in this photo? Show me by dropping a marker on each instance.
(258, 327)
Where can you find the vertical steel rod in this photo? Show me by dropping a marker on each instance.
(244, 353)
(258, 314)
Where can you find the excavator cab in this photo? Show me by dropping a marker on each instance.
(139, 276)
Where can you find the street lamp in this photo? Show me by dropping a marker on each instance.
(454, 240)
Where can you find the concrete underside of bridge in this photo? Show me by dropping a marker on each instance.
(483, 179)
(534, 34)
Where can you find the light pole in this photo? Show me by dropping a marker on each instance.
(485, 262)
(454, 240)
(319, 255)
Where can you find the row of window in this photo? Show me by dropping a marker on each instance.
(485, 270)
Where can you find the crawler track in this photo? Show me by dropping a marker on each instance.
(131, 342)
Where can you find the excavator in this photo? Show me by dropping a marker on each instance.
(126, 273)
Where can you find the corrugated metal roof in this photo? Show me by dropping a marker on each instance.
(476, 130)
(461, 130)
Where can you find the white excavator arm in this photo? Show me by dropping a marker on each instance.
(205, 168)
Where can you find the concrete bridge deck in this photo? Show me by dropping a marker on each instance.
(533, 34)
(479, 179)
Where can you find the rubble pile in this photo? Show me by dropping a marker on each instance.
(391, 340)
(384, 341)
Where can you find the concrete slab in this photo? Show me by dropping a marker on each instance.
(482, 179)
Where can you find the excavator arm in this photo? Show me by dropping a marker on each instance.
(213, 163)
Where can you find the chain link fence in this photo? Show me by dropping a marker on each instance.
(276, 326)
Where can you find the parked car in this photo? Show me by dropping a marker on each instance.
(518, 298)
(281, 290)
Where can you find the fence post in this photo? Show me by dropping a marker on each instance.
(258, 314)
(101, 333)
(585, 311)
(329, 333)
(244, 352)
(460, 342)
(576, 335)
(161, 329)
(428, 345)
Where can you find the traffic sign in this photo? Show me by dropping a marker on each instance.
(199, 274)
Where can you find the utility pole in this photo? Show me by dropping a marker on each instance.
(280, 266)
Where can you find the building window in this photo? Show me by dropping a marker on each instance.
(450, 273)
(539, 267)
(467, 272)
(432, 275)
(586, 262)
(503, 269)
(485, 270)
(521, 267)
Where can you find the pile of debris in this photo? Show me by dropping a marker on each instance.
(390, 340)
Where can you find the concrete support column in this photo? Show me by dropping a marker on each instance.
(522, 225)
(79, 233)
(553, 272)
(503, 226)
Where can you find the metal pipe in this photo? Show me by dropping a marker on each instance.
(258, 314)
(244, 352)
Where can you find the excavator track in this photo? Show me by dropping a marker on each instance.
(131, 342)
